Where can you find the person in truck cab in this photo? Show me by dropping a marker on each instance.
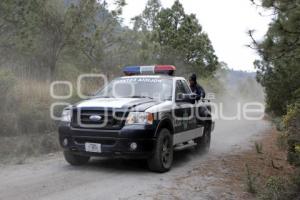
(195, 87)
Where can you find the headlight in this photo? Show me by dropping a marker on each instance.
(139, 118)
(66, 115)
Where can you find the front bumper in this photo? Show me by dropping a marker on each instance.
(114, 143)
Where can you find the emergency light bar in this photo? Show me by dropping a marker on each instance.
(148, 70)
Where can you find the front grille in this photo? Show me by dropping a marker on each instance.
(82, 140)
(112, 120)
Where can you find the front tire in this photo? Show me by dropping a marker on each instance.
(162, 158)
(75, 160)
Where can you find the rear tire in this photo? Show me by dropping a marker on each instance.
(162, 158)
(75, 160)
(203, 143)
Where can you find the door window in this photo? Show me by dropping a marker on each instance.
(186, 87)
(180, 89)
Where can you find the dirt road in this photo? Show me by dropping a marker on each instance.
(52, 178)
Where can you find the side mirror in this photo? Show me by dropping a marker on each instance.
(187, 98)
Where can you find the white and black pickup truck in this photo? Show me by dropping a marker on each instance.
(137, 116)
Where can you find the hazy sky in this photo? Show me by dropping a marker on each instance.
(226, 23)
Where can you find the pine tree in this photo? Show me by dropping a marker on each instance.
(279, 70)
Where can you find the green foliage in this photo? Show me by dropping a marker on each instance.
(45, 33)
(295, 184)
(174, 37)
(278, 188)
(181, 38)
(275, 189)
(45, 36)
(278, 70)
(291, 119)
(278, 122)
(45, 40)
(292, 125)
(147, 20)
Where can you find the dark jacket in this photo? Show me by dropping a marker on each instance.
(197, 89)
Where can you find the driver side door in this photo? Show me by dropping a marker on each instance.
(184, 112)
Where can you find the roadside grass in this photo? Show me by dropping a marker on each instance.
(269, 176)
(250, 181)
(281, 188)
(274, 189)
(16, 149)
(27, 128)
(280, 185)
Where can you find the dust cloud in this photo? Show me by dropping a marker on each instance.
(235, 90)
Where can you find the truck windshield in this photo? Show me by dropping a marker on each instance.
(153, 88)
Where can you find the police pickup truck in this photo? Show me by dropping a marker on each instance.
(146, 114)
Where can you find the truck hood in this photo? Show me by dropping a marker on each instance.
(139, 104)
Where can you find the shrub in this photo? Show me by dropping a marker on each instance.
(278, 121)
(292, 127)
(282, 141)
(26, 107)
(274, 189)
(259, 148)
(34, 118)
(27, 146)
(49, 143)
(250, 180)
(295, 188)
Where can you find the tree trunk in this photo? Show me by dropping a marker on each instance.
(52, 68)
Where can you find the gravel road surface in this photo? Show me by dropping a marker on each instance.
(50, 177)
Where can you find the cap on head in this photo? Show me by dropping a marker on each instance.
(193, 77)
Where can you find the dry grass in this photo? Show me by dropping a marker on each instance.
(32, 91)
(16, 149)
(25, 121)
(26, 125)
(240, 173)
